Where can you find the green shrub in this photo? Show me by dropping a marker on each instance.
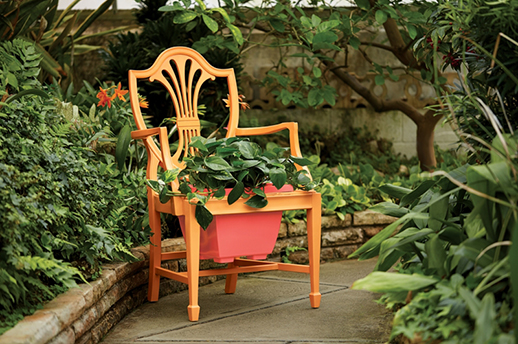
(63, 206)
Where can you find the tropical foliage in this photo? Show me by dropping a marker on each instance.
(57, 38)
(62, 200)
(454, 243)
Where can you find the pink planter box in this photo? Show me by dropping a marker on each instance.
(252, 235)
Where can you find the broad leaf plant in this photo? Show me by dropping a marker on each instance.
(231, 163)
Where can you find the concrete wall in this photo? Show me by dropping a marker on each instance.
(393, 125)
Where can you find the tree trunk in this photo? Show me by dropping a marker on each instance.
(424, 140)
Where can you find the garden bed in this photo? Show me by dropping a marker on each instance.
(84, 315)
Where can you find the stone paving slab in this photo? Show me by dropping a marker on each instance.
(268, 307)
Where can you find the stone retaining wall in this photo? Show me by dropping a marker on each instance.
(84, 315)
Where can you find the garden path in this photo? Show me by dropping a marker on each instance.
(268, 307)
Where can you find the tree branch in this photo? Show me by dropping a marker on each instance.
(379, 45)
(376, 102)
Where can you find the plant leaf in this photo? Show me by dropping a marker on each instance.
(211, 23)
(203, 216)
(184, 17)
(236, 192)
(381, 17)
(389, 282)
(123, 142)
(278, 177)
(217, 163)
(257, 202)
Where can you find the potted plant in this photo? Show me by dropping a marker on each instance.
(234, 168)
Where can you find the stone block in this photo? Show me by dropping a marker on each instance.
(342, 237)
(88, 294)
(138, 279)
(143, 250)
(333, 221)
(122, 270)
(104, 283)
(369, 217)
(67, 307)
(65, 337)
(371, 231)
(85, 339)
(168, 286)
(111, 318)
(327, 253)
(109, 277)
(280, 245)
(297, 229)
(173, 245)
(108, 300)
(299, 257)
(283, 230)
(85, 322)
(139, 255)
(34, 329)
(170, 265)
(344, 251)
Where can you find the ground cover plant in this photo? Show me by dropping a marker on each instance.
(455, 250)
(64, 206)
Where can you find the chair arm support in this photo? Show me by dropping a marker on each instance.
(292, 127)
(164, 154)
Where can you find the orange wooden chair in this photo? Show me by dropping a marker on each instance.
(190, 71)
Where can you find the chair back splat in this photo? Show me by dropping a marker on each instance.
(183, 72)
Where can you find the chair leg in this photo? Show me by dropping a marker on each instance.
(231, 281)
(314, 229)
(155, 251)
(192, 242)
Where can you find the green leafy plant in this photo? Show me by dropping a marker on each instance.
(58, 38)
(289, 250)
(64, 207)
(231, 163)
(455, 239)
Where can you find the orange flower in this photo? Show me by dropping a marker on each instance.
(120, 93)
(104, 98)
(242, 104)
(143, 102)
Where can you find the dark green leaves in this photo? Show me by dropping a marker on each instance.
(278, 177)
(236, 192)
(234, 163)
(363, 4)
(257, 202)
(216, 163)
(123, 142)
(203, 216)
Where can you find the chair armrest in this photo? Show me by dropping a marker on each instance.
(144, 133)
(163, 155)
(292, 127)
